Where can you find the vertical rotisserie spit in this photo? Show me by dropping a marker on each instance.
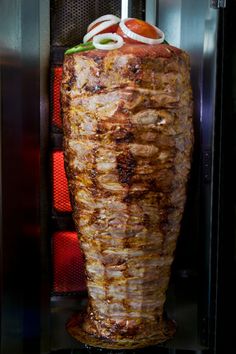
(128, 137)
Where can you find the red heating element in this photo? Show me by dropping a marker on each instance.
(68, 263)
(56, 114)
(61, 199)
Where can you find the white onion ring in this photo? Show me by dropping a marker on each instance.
(102, 26)
(104, 18)
(109, 46)
(138, 37)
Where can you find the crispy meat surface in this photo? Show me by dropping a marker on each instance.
(128, 137)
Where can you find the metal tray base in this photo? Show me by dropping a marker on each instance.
(74, 328)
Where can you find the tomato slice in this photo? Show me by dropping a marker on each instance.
(139, 27)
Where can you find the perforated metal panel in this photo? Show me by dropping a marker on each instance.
(68, 263)
(138, 9)
(70, 18)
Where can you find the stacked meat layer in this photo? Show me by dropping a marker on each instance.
(128, 138)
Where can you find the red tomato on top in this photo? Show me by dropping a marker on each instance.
(140, 27)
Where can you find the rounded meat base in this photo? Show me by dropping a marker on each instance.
(164, 332)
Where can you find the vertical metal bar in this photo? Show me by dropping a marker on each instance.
(208, 117)
(30, 175)
(126, 8)
(10, 140)
(44, 29)
(151, 11)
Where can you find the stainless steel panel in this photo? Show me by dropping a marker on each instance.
(151, 11)
(21, 86)
(192, 26)
(11, 150)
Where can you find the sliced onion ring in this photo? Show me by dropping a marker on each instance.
(109, 46)
(104, 18)
(99, 28)
(138, 37)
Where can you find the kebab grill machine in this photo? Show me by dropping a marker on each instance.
(117, 130)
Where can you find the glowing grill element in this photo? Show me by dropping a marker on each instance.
(68, 263)
(56, 114)
(61, 199)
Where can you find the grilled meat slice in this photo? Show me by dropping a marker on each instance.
(128, 136)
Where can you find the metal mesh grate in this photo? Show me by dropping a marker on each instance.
(68, 263)
(70, 18)
(61, 198)
(56, 104)
(138, 9)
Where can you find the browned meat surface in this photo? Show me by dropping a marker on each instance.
(128, 138)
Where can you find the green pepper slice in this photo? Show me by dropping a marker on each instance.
(82, 47)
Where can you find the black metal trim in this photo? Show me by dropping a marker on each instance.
(225, 215)
(57, 55)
